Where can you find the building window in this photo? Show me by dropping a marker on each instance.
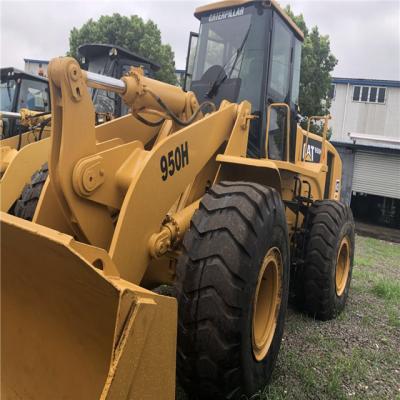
(364, 93)
(356, 93)
(372, 94)
(369, 94)
(332, 91)
(381, 95)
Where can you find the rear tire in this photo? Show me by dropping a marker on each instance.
(25, 206)
(221, 352)
(329, 259)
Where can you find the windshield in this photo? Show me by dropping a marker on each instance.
(34, 95)
(219, 42)
(233, 43)
(7, 90)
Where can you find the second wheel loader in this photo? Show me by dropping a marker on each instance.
(27, 126)
(217, 198)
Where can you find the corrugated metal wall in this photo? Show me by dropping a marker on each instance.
(377, 173)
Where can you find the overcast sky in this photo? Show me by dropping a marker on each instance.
(365, 35)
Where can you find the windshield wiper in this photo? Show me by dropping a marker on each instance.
(218, 82)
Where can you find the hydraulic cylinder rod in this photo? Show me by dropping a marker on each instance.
(103, 82)
(9, 114)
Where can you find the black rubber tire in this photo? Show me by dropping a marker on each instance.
(25, 206)
(330, 221)
(231, 232)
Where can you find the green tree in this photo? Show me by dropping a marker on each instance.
(317, 63)
(132, 33)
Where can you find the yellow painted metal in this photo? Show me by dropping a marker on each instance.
(126, 128)
(70, 330)
(342, 266)
(20, 169)
(7, 154)
(141, 201)
(73, 138)
(267, 300)
(26, 138)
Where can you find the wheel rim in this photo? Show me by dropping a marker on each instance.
(267, 301)
(342, 266)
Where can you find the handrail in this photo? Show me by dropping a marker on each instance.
(326, 118)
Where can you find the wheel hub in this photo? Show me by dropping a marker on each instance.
(267, 302)
(342, 266)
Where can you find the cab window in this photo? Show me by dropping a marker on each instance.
(294, 96)
(7, 91)
(277, 133)
(280, 61)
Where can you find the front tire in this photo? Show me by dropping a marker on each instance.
(25, 206)
(232, 290)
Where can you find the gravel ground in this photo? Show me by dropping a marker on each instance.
(355, 356)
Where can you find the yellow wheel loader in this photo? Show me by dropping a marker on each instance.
(221, 203)
(24, 119)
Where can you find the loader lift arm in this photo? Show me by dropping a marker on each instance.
(127, 177)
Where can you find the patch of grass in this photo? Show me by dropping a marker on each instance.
(387, 289)
(394, 316)
(364, 261)
(364, 274)
(321, 340)
(382, 248)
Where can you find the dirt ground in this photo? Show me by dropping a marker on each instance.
(356, 356)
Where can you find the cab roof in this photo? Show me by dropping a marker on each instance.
(14, 73)
(93, 50)
(222, 5)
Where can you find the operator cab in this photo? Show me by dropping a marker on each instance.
(251, 51)
(19, 89)
(113, 61)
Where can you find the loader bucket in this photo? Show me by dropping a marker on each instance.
(70, 332)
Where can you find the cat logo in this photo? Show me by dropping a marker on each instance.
(312, 151)
(226, 14)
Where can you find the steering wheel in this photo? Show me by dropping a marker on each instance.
(213, 73)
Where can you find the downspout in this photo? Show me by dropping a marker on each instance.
(345, 111)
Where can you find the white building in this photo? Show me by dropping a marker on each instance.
(366, 131)
(36, 67)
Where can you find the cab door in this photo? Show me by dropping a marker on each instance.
(282, 91)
